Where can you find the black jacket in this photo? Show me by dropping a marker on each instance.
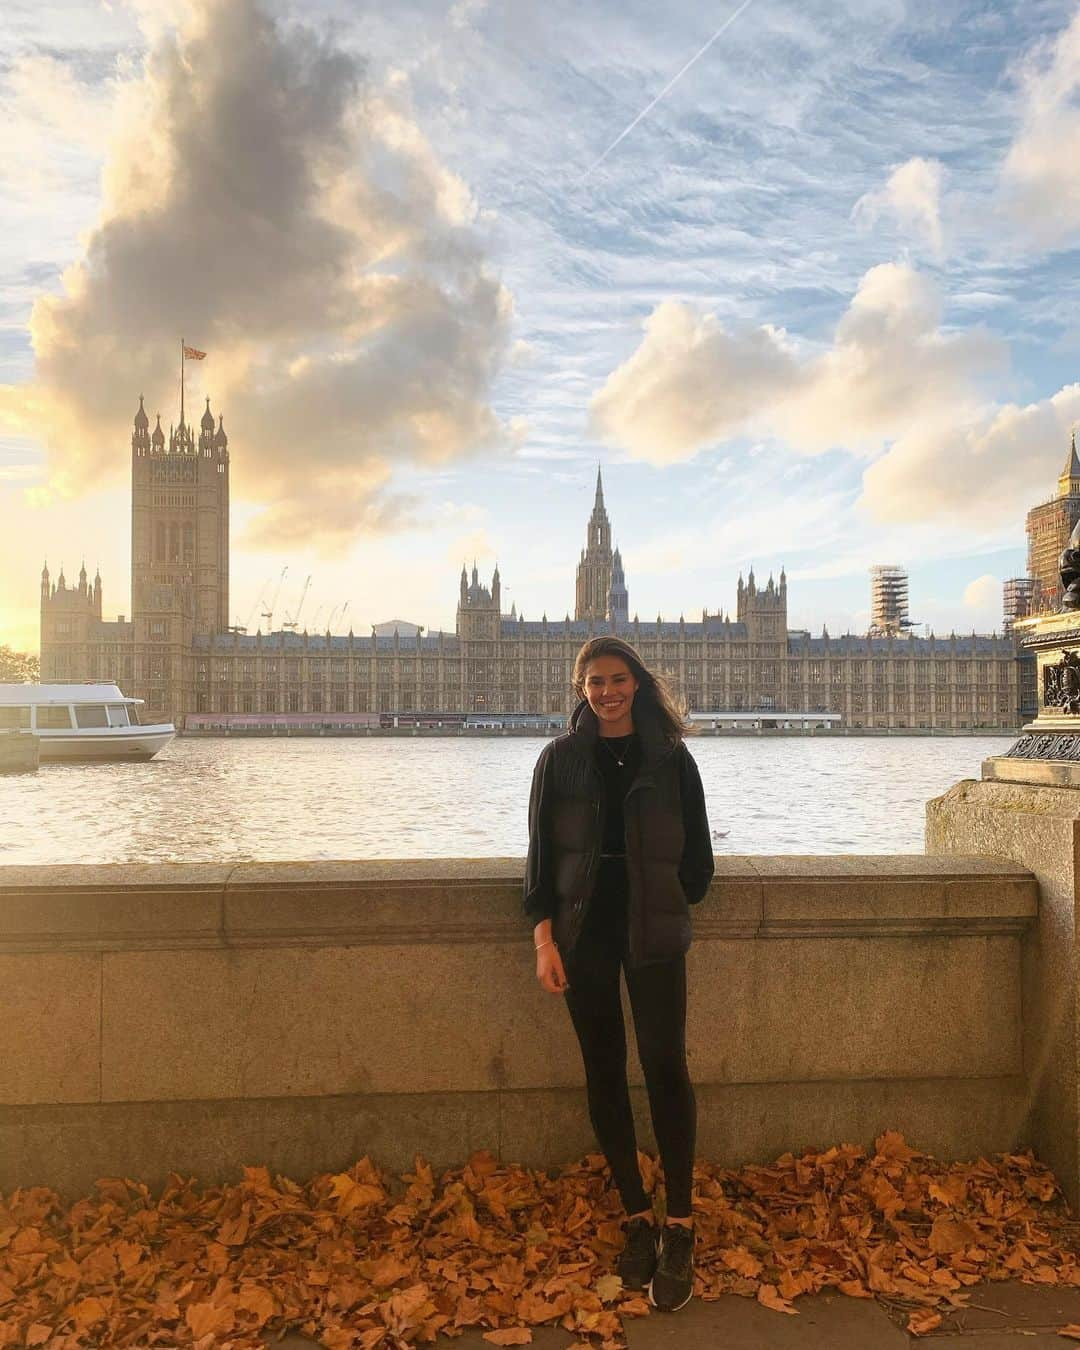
(669, 854)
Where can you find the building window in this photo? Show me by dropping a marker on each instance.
(293, 704)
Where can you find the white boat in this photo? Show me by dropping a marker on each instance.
(82, 721)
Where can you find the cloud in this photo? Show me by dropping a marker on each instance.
(50, 120)
(912, 197)
(266, 201)
(1039, 184)
(986, 468)
(983, 593)
(894, 386)
(891, 366)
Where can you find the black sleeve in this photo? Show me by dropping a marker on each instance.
(696, 866)
(539, 893)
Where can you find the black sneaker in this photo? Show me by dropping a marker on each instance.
(637, 1260)
(673, 1283)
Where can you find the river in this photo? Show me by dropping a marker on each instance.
(216, 800)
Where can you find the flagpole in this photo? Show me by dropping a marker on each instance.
(181, 381)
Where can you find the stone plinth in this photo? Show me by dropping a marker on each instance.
(203, 1017)
(1038, 827)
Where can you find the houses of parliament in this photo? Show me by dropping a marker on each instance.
(176, 650)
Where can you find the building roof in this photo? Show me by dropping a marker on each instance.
(799, 642)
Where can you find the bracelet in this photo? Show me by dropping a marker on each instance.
(549, 943)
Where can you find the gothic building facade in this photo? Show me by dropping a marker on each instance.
(177, 652)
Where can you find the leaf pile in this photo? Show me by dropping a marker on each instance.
(362, 1260)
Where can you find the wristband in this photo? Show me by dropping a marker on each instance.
(549, 943)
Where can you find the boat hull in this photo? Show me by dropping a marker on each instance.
(138, 743)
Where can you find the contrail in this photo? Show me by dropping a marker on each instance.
(668, 87)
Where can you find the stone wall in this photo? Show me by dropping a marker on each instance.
(203, 1017)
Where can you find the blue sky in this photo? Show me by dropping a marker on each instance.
(817, 309)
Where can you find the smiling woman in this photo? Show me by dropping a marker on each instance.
(619, 848)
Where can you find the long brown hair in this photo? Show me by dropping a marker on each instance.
(655, 694)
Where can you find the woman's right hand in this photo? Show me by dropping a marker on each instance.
(549, 969)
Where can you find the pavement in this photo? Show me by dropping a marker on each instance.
(1003, 1316)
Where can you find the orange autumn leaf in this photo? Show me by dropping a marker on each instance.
(892, 1144)
(951, 1235)
(88, 1312)
(923, 1320)
(769, 1296)
(1072, 1331)
(742, 1262)
(208, 1319)
(354, 1194)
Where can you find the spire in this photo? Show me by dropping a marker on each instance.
(142, 422)
(220, 439)
(158, 438)
(599, 503)
(207, 422)
(1069, 481)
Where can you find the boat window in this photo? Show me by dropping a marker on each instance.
(118, 715)
(14, 719)
(133, 713)
(91, 715)
(51, 718)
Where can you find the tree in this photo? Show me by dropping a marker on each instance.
(15, 667)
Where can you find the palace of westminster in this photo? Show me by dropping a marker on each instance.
(177, 651)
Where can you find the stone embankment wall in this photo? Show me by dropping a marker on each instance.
(203, 1017)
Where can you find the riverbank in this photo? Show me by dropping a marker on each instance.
(481, 733)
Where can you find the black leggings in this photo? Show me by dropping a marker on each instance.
(658, 1002)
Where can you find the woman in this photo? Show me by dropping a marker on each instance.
(619, 847)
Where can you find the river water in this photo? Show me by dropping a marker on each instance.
(210, 800)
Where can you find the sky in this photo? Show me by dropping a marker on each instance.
(800, 275)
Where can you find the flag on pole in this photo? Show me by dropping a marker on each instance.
(193, 354)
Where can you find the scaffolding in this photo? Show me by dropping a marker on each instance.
(889, 601)
(1018, 600)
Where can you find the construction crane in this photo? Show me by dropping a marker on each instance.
(268, 613)
(333, 612)
(315, 619)
(294, 622)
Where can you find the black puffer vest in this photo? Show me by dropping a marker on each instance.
(658, 920)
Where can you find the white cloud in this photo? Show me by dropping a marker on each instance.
(894, 386)
(287, 215)
(983, 593)
(986, 468)
(1039, 180)
(890, 367)
(912, 197)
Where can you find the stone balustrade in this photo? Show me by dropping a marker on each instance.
(202, 1017)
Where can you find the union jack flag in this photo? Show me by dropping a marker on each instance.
(193, 354)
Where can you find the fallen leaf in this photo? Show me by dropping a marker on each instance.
(769, 1296)
(923, 1320)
